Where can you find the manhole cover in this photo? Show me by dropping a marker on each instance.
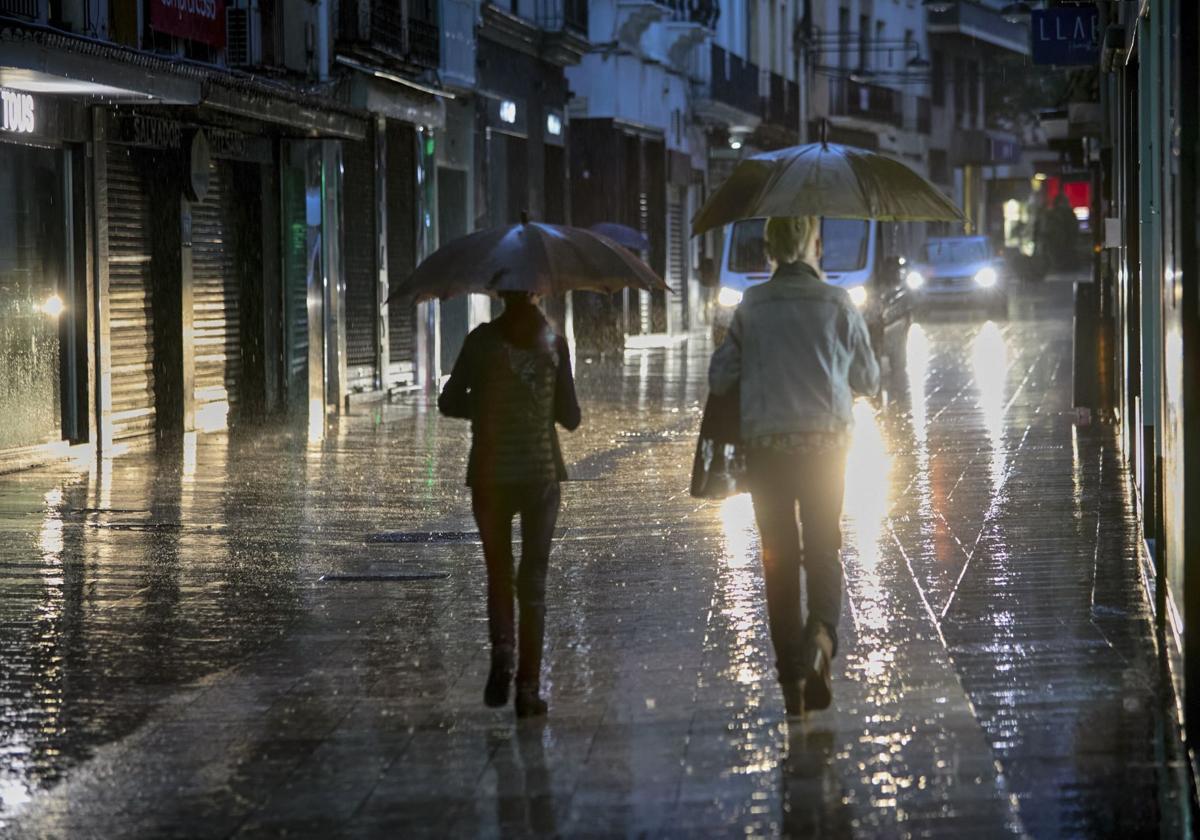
(423, 536)
(401, 577)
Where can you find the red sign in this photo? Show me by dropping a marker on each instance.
(196, 20)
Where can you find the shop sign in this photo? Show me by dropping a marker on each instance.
(142, 130)
(19, 116)
(196, 20)
(1066, 35)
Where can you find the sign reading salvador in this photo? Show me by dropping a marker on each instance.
(196, 20)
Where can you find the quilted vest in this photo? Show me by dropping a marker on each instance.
(514, 440)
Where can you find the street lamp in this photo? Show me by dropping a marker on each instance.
(1018, 12)
(918, 62)
(862, 75)
(937, 5)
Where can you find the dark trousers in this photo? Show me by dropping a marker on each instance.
(495, 506)
(814, 482)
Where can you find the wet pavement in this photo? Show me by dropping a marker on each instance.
(262, 635)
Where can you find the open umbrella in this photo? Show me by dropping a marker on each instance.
(825, 179)
(622, 235)
(527, 257)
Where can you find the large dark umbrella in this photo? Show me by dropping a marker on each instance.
(825, 179)
(527, 257)
(622, 235)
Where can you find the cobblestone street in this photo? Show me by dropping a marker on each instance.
(261, 635)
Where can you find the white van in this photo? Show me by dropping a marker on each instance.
(865, 257)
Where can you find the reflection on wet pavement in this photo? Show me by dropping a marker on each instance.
(172, 663)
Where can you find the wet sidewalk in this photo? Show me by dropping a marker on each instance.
(263, 635)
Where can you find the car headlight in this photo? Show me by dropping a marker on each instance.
(858, 295)
(915, 280)
(986, 277)
(729, 297)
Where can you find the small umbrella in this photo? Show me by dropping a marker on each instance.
(527, 257)
(825, 179)
(622, 235)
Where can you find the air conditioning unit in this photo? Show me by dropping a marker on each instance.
(243, 34)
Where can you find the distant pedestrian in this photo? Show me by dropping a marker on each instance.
(798, 349)
(513, 381)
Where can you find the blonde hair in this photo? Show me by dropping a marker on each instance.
(792, 239)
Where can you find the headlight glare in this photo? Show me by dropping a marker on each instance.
(915, 280)
(858, 296)
(986, 277)
(729, 297)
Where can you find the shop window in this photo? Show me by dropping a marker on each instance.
(33, 294)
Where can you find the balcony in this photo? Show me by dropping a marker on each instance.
(405, 31)
(563, 15)
(848, 98)
(734, 81)
(783, 104)
(979, 23)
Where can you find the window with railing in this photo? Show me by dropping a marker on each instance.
(849, 98)
(559, 15)
(20, 8)
(407, 29)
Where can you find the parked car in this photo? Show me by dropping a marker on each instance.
(960, 269)
(859, 255)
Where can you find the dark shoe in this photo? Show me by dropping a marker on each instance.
(495, 693)
(793, 698)
(528, 703)
(818, 684)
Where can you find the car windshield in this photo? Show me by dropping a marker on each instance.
(748, 254)
(949, 251)
(845, 246)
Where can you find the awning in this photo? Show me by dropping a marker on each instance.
(45, 61)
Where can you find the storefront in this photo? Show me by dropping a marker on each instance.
(184, 205)
(43, 282)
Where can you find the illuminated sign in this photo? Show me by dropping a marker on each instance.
(18, 112)
(508, 111)
(554, 125)
(196, 20)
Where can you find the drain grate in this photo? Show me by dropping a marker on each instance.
(401, 577)
(423, 536)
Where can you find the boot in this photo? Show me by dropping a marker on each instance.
(793, 698)
(818, 684)
(495, 693)
(529, 702)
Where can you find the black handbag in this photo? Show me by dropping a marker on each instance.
(719, 466)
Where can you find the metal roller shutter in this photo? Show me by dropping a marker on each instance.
(676, 258)
(402, 246)
(362, 276)
(130, 310)
(216, 301)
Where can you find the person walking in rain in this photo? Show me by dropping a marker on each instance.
(798, 350)
(513, 381)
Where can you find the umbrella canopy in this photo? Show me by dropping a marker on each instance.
(825, 179)
(623, 235)
(528, 257)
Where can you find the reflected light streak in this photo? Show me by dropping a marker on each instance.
(868, 469)
(989, 361)
(740, 530)
(213, 416)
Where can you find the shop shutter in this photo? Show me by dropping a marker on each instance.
(402, 247)
(130, 310)
(216, 301)
(362, 276)
(676, 256)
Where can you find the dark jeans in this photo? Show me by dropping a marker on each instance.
(494, 508)
(815, 482)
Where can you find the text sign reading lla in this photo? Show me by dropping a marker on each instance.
(1066, 35)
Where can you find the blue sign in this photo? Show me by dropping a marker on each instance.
(1066, 35)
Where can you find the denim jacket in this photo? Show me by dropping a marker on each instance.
(799, 350)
